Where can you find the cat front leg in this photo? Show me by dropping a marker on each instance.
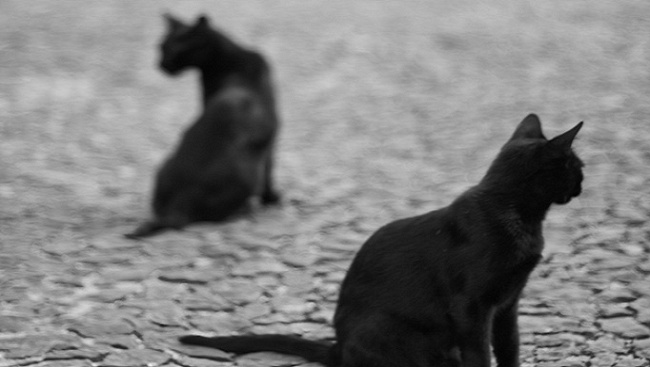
(474, 337)
(269, 195)
(475, 351)
(505, 336)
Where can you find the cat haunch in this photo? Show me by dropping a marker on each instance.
(442, 288)
(226, 156)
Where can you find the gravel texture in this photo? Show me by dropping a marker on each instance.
(389, 109)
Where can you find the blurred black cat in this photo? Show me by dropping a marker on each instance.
(441, 288)
(226, 156)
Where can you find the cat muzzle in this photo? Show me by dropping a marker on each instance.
(566, 198)
(166, 67)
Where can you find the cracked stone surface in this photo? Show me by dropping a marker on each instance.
(388, 111)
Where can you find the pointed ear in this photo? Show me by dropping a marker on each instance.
(172, 22)
(563, 142)
(202, 21)
(529, 128)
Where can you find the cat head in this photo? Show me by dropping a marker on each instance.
(186, 45)
(546, 171)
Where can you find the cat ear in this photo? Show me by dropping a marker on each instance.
(563, 142)
(529, 128)
(172, 22)
(202, 21)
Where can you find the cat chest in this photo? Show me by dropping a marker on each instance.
(507, 281)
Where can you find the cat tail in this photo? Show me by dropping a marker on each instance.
(313, 351)
(153, 227)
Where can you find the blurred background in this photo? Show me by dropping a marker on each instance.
(389, 109)
(393, 105)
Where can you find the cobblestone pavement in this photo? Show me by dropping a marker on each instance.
(390, 109)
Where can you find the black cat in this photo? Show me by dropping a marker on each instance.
(442, 288)
(226, 156)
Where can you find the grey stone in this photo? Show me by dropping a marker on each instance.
(578, 310)
(551, 324)
(563, 363)
(13, 293)
(631, 361)
(292, 305)
(323, 315)
(526, 353)
(603, 235)
(253, 267)
(299, 257)
(550, 354)
(254, 310)
(606, 344)
(565, 340)
(118, 341)
(222, 323)
(102, 258)
(186, 361)
(644, 266)
(83, 352)
(603, 360)
(67, 280)
(298, 282)
(113, 242)
(254, 243)
(213, 251)
(626, 327)
(161, 339)
(201, 352)
(13, 324)
(203, 300)
(238, 291)
(98, 328)
(575, 360)
(609, 311)
(62, 363)
(271, 328)
(642, 348)
(311, 330)
(166, 313)
(274, 318)
(267, 359)
(640, 287)
(186, 276)
(135, 358)
(65, 246)
(158, 290)
(548, 289)
(613, 262)
(111, 295)
(617, 295)
(120, 273)
(535, 310)
(36, 345)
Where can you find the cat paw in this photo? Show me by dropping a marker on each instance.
(144, 230)
(135, 235)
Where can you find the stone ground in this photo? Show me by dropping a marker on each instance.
(390, 109)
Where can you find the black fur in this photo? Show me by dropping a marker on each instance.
(226, 156)
(442, 288)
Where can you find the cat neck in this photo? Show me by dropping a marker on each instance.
(507, 214)
(225, 63)
(514, 201)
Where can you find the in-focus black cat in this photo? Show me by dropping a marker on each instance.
(226, 156)
(442, 288)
